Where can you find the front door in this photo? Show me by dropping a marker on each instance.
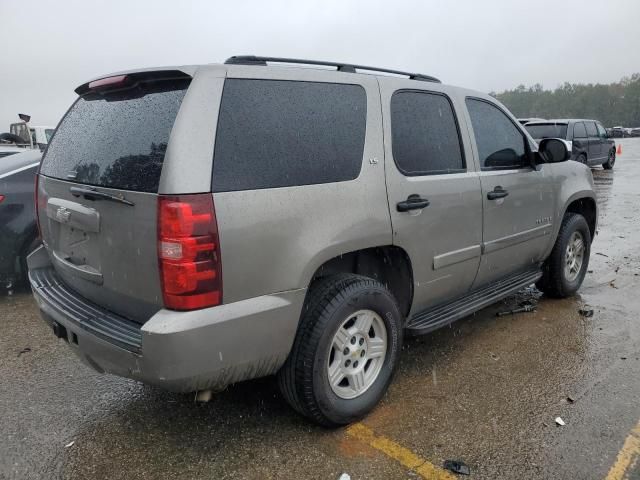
(595, 142)
(604, 143)
(517, 198)
(433, 191)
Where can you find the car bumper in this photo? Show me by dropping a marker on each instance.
(179, 351)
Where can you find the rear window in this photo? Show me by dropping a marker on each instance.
(274, 133)
(547, 130)
(116, 140)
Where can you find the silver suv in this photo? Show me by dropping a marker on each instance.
(205, 225)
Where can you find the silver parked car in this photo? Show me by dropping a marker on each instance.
(205, 225)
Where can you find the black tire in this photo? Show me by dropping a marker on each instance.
(554, 281)
(611, 160)
(303, 379)
(582, 158)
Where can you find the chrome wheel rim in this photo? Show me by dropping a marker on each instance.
(356, 354)
(574, 256)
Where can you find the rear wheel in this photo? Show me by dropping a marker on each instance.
(564, 270)
(582, 158)
(611, 160)
(345, 352)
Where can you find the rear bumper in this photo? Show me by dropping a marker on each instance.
(180, 351)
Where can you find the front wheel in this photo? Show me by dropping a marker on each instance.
(564, 270)
(611, 160)
(345, 352)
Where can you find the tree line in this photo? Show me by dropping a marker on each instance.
(613, 104)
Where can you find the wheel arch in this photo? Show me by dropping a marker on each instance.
(388, 264)
(587, 207)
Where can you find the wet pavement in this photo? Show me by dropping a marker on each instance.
(485, 391)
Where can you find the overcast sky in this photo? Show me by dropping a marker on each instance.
(49, 48)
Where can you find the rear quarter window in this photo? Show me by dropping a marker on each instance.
(274, 133)
(116, 140)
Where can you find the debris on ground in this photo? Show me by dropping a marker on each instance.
(570, 399)
(24, 350)
(598, 253)
(586, 312)
(69, 445)
(612, 284)
(494, 356)
(345, 476)
(522, 309)
(456, 466)
(560, 422)
(204, 396)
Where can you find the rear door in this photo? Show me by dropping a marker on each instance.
(98, 192)
(433, 190)
(605, 143)
(517, 198)
(580, 143)
(595, 142)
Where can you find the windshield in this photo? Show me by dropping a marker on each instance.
(547, 130)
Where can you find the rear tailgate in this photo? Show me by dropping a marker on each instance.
(97, 192)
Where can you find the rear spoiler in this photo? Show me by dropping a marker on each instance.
(129, 80)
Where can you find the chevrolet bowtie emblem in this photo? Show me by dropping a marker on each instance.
(63, 214)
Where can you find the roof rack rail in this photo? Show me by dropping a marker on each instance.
(341, 67)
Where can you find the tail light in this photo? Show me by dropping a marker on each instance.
(1, 198)
(40, 202)
(109, 82)
(189, 252)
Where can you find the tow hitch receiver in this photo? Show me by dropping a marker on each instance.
(59, 331)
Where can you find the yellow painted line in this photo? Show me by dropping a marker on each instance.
(400, 454)
(628, 457)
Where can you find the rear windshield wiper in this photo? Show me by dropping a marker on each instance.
(91, 194)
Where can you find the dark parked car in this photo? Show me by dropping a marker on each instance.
(589, 141)
(619, 132)
(18, 231)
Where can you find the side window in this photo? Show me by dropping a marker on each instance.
(500, 143)
(602, 133)
(424, 134)
(591, 129)
(275, 133)
(579, 131)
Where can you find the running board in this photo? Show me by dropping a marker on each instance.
(446, 313)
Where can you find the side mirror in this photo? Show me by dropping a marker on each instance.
(554, 150)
